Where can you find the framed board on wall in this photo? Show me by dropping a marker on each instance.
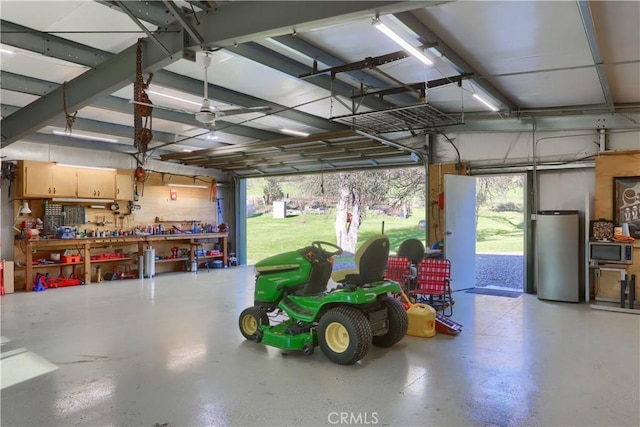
(626, 203)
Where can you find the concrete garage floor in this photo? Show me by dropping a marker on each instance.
(168, 350)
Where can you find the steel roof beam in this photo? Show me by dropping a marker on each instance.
(116, 130)
(153, 12)
(284, 64)
(59, 48)
(32, 86)
(188, 27)
(592, 39)
(428, 36)
(220, 27)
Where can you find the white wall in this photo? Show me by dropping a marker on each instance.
(514, 148)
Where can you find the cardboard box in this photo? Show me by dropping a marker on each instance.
(7, 277)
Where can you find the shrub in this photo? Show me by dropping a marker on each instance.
(507, 207)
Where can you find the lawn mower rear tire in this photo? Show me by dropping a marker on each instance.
(344, 335)
(398, 324)
(250, 321)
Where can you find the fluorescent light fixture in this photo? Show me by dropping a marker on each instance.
(175, 98)
(99, 168)
(186, 150)
(187, 185)
(7, 51)
(294, 132)
(212, 136)
(435, 52)
(81, 136)
(74, 200)
(402, 42)
(492, 107)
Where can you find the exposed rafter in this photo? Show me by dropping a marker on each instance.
(592, 38)
(224, 27)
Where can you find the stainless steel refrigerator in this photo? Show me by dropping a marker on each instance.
(558, 255)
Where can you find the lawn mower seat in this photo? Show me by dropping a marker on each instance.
(371, 263)
(412, 249)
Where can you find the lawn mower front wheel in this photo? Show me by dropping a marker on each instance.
(250, 320)
(344, 335)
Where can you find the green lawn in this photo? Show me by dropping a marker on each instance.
(498, 232)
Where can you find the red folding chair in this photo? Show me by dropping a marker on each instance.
(433, 284)
(399, 270)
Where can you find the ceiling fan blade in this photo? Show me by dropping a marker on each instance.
(221, 113)
(161, 107)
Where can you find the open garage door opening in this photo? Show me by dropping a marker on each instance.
(500, 232)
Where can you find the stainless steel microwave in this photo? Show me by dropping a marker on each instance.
(610, 253)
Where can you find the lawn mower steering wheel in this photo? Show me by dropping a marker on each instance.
(320, 245)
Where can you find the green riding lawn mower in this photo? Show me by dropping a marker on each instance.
(344, 321)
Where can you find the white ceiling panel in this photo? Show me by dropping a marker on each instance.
(502, 37)
(554, 89)
(247, 76)
(17, 99)
(41, 67)
(624, 82)
(85, 22)
(618, 28)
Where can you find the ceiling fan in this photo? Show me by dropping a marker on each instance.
(207, 115)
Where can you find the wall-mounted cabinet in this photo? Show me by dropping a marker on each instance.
(124, 186)
(38, 179)
(48, 180)
(96, 184)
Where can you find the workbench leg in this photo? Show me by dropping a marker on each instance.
(28, 272)
(87, 263)
(632, 290)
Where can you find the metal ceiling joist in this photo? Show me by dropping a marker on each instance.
(59, 48)
(565, 122)
(153, 12)
(223, 27)
(193, 86)
(188, 27)
(428, 36)
(32, 86)
(149, 34)
(592, 39)
(306, 48)
(277, 61)
(104, 79)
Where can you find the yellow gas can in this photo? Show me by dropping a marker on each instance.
(422, 321)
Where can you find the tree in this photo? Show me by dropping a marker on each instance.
(272, 190)
(354, 192)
